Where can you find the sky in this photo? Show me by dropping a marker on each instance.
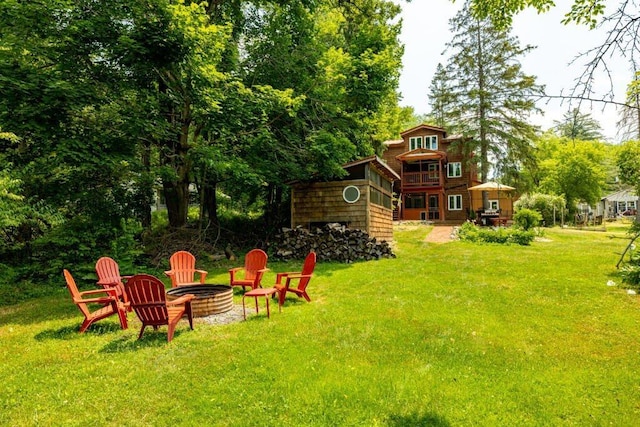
(425, 32)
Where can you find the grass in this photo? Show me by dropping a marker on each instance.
(445, 334)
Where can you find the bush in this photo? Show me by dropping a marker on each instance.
(526, 219)
(472, 233)
(549, 206)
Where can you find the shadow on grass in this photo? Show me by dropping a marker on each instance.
(415, 420)
(71, 331)
(150, 339)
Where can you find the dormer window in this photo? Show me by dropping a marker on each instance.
(430, 142)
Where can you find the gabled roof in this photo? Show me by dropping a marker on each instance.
(378, 163)
(421, 154)
(423, 126)
(622, 195)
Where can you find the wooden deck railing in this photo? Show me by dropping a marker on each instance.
(421, 179)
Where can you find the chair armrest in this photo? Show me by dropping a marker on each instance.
(279, 276)
(170, 273)
(109, 281)
(203, 275)
(183, 299)
(102, 300)
(112, 292)
(234, 269)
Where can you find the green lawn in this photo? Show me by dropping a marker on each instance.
(445, 334)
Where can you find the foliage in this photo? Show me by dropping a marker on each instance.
(629, 164)
(577, 125)
(501, 12)
(527, 219)
(629, 122)
(574, 169)
(547, 205)
(485, 95)
(472, 233)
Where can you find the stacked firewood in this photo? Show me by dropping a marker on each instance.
(332, 242)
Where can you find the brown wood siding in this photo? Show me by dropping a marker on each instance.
(381, 222)
(390, 154)
(322, 202)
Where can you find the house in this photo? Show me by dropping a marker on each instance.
(434, 176)
(362, 199)
(623, 202)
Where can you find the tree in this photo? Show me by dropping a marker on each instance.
(629, 123)
(629, 166)
(622, 27)
(575, 125)
(440, 97)
(573, 169)
(488, 97)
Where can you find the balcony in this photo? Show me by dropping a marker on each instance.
(421, 179)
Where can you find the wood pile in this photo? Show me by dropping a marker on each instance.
(332, 242)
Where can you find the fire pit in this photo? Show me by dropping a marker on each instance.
(209, 299)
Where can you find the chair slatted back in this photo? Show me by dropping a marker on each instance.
(183, 264)
(148, 299)
(256, 259)
(307, 270)
(75, 293)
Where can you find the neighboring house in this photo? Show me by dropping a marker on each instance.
(434, 176)
(623, 202)
(362, 199)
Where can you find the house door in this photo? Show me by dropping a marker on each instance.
(434, 207)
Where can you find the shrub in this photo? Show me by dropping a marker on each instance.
(549, 206)
(472, 233)
(526, 219)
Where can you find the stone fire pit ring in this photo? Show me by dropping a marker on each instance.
(209, 299)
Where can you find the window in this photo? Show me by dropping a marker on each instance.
(377, 197)
(454, 170)
(415, 201)
(431, 142)
(493, 205)
(622, 206)
(415, 142)
(455, 202)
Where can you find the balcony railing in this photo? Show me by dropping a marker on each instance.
(420, 179)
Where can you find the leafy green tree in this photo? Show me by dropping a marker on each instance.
(488, 96)
(629, 165)
(574, 170)
(576, 125)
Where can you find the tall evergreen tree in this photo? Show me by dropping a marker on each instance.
(576, 125)
(489, 98)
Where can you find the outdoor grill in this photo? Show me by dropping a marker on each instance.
(209, 299)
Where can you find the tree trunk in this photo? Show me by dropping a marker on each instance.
(210, 201)
(145, 214)
(176, 195)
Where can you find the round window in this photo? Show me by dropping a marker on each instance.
(351, 194)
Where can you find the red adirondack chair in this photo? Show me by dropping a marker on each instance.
(255, 265)
(303, 277)
(108, 273)
(108, 301)
(183, 269)
(148, 299)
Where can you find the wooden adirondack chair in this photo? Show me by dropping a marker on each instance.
(108, 273)
(147, 297)
(183, 269)
(108, 300)
(303, 277)
(255, 265)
